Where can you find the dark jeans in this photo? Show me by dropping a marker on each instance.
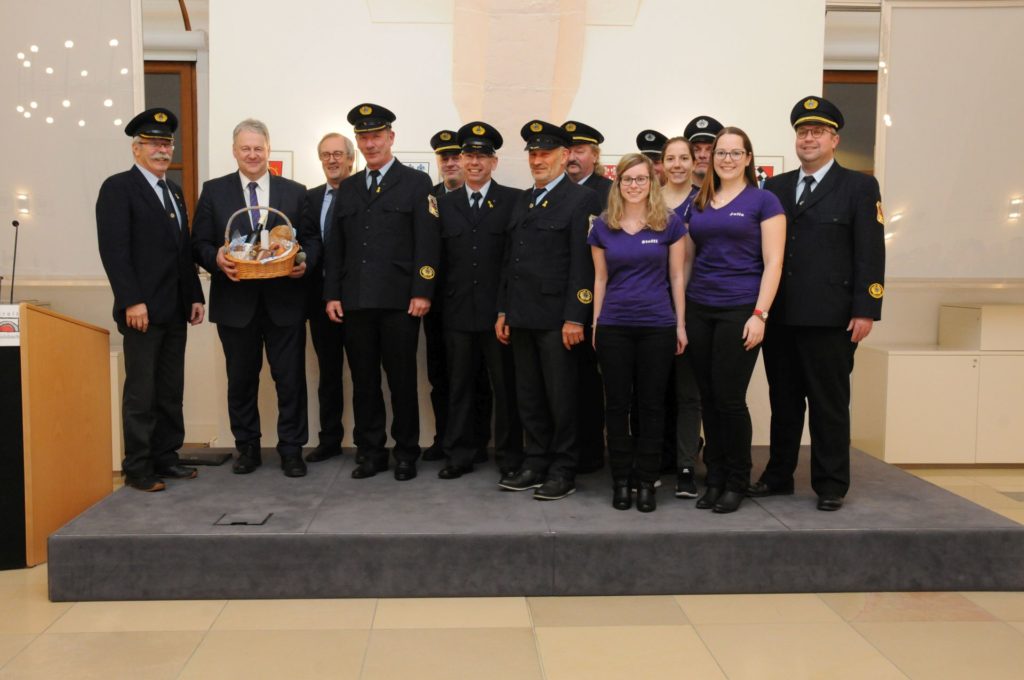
(723, 368)
(641, 357)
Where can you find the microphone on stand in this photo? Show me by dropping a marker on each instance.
(14, 261)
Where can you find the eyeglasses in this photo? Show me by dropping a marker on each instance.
(735, 154)
(814, 132)
(336, 155)
(640, 181)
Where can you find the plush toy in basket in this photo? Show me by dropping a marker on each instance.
(264, 254)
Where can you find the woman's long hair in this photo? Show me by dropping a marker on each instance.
(656, 217)
(712, 182)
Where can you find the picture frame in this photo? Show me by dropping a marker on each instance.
(280, 164)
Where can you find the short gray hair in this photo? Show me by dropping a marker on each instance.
(252, 125)
(350, 150)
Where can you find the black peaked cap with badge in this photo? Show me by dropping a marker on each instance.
(370, 118)
(702, 129)
(651, 143)
(153, 124)
(444, 143)
(816, 111)
(479, 137)
(539, 134)
(581, 133)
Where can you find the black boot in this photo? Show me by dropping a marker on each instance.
(622, 499)
(645, 497)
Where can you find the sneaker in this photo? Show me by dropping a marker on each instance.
(554, 489)
(685, 486)
(522, 480)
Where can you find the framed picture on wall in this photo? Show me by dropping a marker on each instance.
(423, 161)
(280, 163)
(767, 166)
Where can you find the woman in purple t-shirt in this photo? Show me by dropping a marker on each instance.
(737, 234)
(638, 251)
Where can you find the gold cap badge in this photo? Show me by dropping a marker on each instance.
(570, 127)
(536, 127)
(478, 130)
(366, 110)
(811, 104)
(160, 117)
(445, 136)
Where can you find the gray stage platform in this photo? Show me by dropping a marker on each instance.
(333, 536)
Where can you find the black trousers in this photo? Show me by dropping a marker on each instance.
(723, 368)
(329, 344)
(812, 366)
(154, 384)
(590, 407)
(635, 358)
(547, 378)
(686, 423)
(388, 338)
(437, 369)
(469, 353)
(286, 352)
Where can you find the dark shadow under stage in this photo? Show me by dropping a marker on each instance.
(329, 535)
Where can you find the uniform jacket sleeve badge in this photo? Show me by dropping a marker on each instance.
(427, 272)
(876, 291)
(879, 216)
(432, 206)
(584, 296)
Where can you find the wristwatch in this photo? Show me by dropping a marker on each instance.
(763, 316)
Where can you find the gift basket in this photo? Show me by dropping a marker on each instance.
(265, 254)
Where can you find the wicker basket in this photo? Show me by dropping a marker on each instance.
(255, 269)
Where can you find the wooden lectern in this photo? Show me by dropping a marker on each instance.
(54, 426)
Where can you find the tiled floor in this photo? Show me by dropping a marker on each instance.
(829, 635)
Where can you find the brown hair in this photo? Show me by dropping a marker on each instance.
(712, 182)
(657, 213)
(673, 140)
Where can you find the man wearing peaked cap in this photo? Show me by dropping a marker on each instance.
(447, 151)
(584, 166)
(544, 301)
(829, 297)
(379, 279)
(651, 143)
(142, 226)
(702, 131)
(474, 221)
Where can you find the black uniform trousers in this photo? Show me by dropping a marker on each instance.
(286, 351)
(329, 344)
(547, 377)
(723, 369)
(388, 338)
(437, 370)
(813, 365)
(469, 353)
(686, 421)
(154, 385)
(591, 407)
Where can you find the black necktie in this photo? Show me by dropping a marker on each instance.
(808, 187)
(330, 215)
(537, 193)
(475, 198)
(374, 187)
(168, 205)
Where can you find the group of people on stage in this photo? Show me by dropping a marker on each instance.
(584, 306)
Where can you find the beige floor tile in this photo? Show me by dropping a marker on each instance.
(99, 617)
(1018, 625)
(782, 608)
(462, 612)
(452, 654)
(947, 481)
(639, 610)
(994, 472)
(613, 653)
(794, 650)
(274, 655)
(1005, 606)
(905, 607)
(11, 644)
(940, 471)
(104, 656)
(987, 497)
(21, 576)
(1015, 515)
(29, 615)
(1001, 482)
(296, 615)
(956, 650)
(24, 591)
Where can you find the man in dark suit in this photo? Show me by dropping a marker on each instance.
(142, 225)
(830, 295)
(337, 154)
(474, 222)
(544, 300)
(257, 314)
(582, 168)
(379, 280)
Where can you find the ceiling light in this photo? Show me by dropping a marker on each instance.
(85, 73)
(49, 70)
(69, 44)
(117, 121)
(49, 119)
(66, 103)
(81, 123)
(26, 63)
(33, 105)
(113, 42)
(33, 48)
(21, 109)
(108, 102)
(124, 71)
(21, 55)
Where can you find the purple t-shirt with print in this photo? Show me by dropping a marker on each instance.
(727, 265)
(638, 292)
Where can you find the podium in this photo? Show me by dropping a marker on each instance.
(55, 435)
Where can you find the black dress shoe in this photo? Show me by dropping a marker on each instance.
(323, 452)
(830, 503)
(729, 501)
(405, 470)
(245, 464)
(761, 488)
(434, 452)
(368, 468)
(293, 466)
(177, 472)
(149, 483)
(454, 471)
(523, 480)
(554, 489)
(709, 498)
(646, 501)
(622, 497)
